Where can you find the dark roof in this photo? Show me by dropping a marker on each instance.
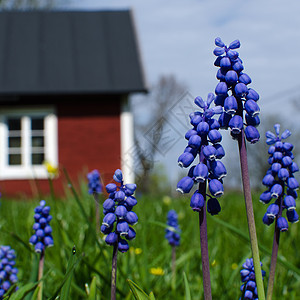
(69, 52)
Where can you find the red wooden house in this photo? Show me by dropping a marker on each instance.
(65, 78)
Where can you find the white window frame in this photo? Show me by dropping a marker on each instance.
(26, 170)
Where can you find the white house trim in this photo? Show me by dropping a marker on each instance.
(26, 170)
(127, 142)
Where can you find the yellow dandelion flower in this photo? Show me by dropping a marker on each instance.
(52, 170)
(167, 200)
(234, 266)
(138, 251)
(214, 263)
(157, 271)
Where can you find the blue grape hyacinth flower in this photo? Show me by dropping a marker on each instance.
(233, 93)
(8, 271)
(94, 182)
(204, 141)
(248, 288)
(118, 215)
(42, 238)
(280, 181)
(173, 230)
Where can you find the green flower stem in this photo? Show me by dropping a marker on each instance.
(274, 253)
(204, 245)
(250, 215)
(114, 272)
(40, 275)
(173, 268)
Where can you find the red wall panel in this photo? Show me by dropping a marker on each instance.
(88, 138)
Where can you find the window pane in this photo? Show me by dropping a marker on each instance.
(37, 124)
(37, 141)
(14, 142)
(14, 124)
(37, 158)
(14, 159)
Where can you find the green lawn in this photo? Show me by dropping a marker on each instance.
(227, 236)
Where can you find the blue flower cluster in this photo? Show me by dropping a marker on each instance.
(204, 140)
(173, 231)
(8, 273)
(248, 287)
(94, 184)
(118, 211)
(42, 238)
(234, 94)
(280, 181)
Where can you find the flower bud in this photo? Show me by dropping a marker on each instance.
(221, 88)
(185, 185)
(200, 172)
(121, 211)
(252, 94)
(216, 188)
(131, 234)
(131, 218)
(276, 190)
(244, 78)
(283, 174)
(195, 140)
(111, 187)
(225, 62)
(235, 44)
(265, 197)
(118, 176)
(123, 245)
(236, 124)
(109, 219)
(203, 128)
(241, 90)
(200, 102)
(292, 216)
(218, 169)
(213, 206)
(230, 105)
(282, 224)
(209, 152)
(214, 136)
(122, 228)
(289, 202)
(252, 134)
(252, 108)
(197, 201)
(231, 77)
(273, 210)
(111, 238)
(185, 159)
(218, 42)
(219, 151)
(292, 183)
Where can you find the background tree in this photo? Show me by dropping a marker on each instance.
(151, 113)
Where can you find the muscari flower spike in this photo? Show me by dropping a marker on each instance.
(118, 215)
(248, 287)
(204, 141)
(8, 271)
(173, 231)
(280, 181)
(233, 93)
(94, 182)
(42, 238)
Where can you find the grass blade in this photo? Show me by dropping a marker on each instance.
(137, 292)
(187, 288)
(23, 291)
(93, 290)
(66, 287)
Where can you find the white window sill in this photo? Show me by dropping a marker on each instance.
(17, 173)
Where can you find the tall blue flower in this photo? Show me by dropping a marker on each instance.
(233, 92)
(173, 230)
(118, 215)
(280, 181)
(8, 271)
(42, 238)
(94, 184)
(248, 288)
(204, 141)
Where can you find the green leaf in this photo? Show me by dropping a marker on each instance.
(67, 275)
(93, 290)
(23, 291)
(137, 292)
(151, 296)
(187, 288)
(35, 294)
(66, 287)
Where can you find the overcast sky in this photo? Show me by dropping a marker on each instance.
(177, 37)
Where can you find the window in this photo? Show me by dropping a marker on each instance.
(28, 138)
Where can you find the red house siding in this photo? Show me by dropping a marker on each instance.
(88, 138)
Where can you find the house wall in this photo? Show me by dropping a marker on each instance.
(88, 138)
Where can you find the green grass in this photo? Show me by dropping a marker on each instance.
(227, 236)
